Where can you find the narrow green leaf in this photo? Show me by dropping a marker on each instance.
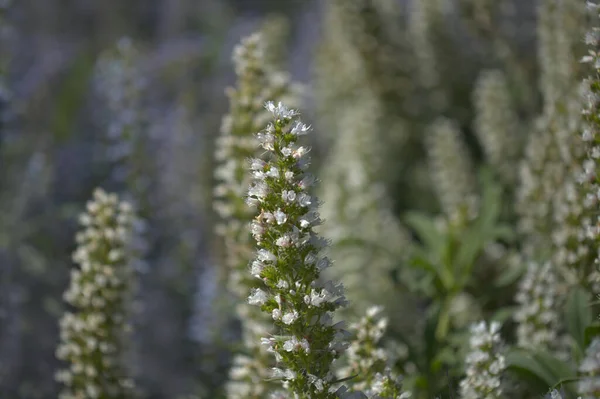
(541, 369)
(425, 227)
(592, 331)
(578, 315)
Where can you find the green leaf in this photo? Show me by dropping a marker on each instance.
(504, 314)
(424, 226)
(509, 276)
(471, 246)
(443, 325)
(592, 331)
(491, 199)
(578, 315)
(540, 369)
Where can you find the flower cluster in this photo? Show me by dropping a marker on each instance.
(591, 131)
(92, 338)
(289, 264)
(452, 171)
(425, 20)
(119, 85)
(257, 80)
(497, 124)
(367, 360)
(541, 173)
(538, 315)
(485, 363)
(589, 385)
(560, 28)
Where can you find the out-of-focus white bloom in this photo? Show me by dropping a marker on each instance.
(539, 299)
(496, 124)
(589, 384)
(452, 172)
(92, 338)
(484, 363)
(368, 361)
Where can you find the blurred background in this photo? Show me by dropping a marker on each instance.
(145, 125)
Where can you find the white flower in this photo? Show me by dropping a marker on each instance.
(266, 256)
(257, 297)
(288, 195)
(276, 314)
(299, 128)
(280, 111)
(280, 217)
(304, 199)
(284, 241)
(290, 317)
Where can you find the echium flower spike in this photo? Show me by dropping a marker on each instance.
(588, 386)
(497, 124)
(93, 337)
(368, 361)
(485, 363)
(538, 315)
(452, 171)
(257, 81)
(591, 131)
(288, 261)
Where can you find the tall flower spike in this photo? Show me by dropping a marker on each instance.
(289, 263)
(93, 338)
(425, 20)
(257, 81)
(591, 135)
(497, 125)
(452, 171)
(484, 363)
(368, 361)
(538, 315)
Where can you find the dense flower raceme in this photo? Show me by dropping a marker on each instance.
(289, 264)
(538, 317)
(591, 131)
(257, 80)
(589, 384)
(452, 171)
(92, 338)
(497, 124)
(485, 363)
(368, 361)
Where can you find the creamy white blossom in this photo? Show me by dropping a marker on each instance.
(93, 336)
(299, 303)
(485, 363)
